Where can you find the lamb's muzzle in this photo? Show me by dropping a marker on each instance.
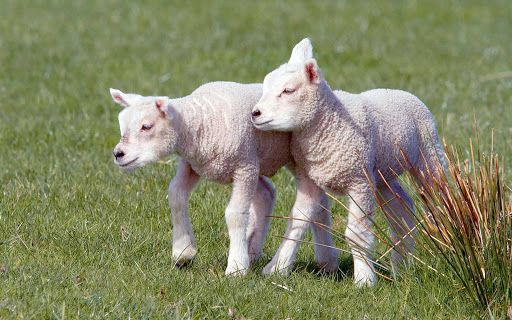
(260, 120)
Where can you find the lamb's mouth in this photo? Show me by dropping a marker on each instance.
(262, 123)
(123, 165)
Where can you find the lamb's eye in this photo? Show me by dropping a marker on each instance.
(146, 127)
(288, 91)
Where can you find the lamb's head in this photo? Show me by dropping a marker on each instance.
(290, 93)
(147, 129)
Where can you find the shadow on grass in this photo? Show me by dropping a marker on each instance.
(345, 268)
(302, 265)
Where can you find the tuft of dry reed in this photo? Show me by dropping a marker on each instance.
(464, 218)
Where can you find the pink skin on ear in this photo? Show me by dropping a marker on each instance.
(160, 104)
(118, 97)
(312, 73)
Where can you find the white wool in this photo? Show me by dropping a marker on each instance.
(212, 133)
(335, 136)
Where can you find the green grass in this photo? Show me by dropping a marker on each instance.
(63, 204)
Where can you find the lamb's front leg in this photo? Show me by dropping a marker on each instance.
(359, 233)
(325, 253)
(237, 220)
(306, 205)
(183, 242)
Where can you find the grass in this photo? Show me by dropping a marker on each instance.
(81, 239)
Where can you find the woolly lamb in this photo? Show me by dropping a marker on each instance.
(337, 137)
(212, 133)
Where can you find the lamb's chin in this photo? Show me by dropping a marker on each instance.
(268, 125)
(273, 126)
(130, 165)
(263, 127)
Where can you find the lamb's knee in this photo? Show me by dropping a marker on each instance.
(236, 218)
(178, 197)
(359, 235)
(174, 190)
(324, 202)
(269, 188)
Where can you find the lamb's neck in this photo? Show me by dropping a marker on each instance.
(328, 112)
(188, 123)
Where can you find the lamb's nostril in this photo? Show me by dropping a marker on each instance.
(118, 154)
(256, 113)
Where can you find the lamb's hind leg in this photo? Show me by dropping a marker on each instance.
(183, 242)
(399, 211)
(359, 233)
(304, 210)
(259, 221)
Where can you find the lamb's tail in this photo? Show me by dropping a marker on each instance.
(432, 162)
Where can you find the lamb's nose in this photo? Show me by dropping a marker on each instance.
(118, 154)
(256, 113)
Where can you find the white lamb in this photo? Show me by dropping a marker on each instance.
(337, 136)
(212, 133)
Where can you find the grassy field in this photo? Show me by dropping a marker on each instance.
(79, 238)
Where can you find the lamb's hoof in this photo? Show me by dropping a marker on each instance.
(254, 256)
(273, 268)
(184, 257)
(182, 263)
(236, 271)
(330, 267)
(365, 280)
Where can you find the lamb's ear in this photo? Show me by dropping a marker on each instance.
(162, 104)
(124, 99)
(302, 51)
(312, 71)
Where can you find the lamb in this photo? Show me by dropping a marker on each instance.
(212, 133)
(338, 138)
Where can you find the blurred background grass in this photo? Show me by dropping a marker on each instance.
(80, 238)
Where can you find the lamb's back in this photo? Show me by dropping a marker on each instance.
(229, 137)
(230, 99)
(400, 120)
